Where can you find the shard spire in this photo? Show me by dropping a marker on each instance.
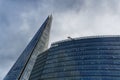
(22, 68)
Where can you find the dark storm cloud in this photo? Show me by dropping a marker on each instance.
(20, 19)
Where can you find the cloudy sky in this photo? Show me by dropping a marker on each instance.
(20, 19)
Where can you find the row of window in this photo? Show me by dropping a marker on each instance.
(74, 59)
(83, 63)
(82, 78)
(81, 73)
(84, 57)
(89, 48)
(86, 52)
(115, 55)
(86, 45)
(77, 68)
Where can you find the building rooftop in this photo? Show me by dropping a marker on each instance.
(86, 37)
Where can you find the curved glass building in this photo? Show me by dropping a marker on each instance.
(85, 58)
(91, 58)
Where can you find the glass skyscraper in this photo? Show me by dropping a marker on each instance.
(90, 58)
(21, 70)
(84, 58)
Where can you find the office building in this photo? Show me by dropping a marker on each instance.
(22, 68)
(85, 58)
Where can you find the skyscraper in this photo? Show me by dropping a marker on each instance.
(84, 58)
(87, 58)
(22, 68)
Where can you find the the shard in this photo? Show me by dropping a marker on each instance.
(22, 68)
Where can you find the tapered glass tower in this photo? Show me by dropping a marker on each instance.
(21, 70)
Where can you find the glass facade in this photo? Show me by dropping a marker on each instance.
(21, 70)
(93, 58)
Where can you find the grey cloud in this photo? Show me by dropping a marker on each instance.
(63, 5)
(20, 19)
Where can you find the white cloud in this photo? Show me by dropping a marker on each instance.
(70, 18)
(94, 18)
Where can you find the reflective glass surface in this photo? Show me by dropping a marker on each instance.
(22, 68)
(81, 59)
